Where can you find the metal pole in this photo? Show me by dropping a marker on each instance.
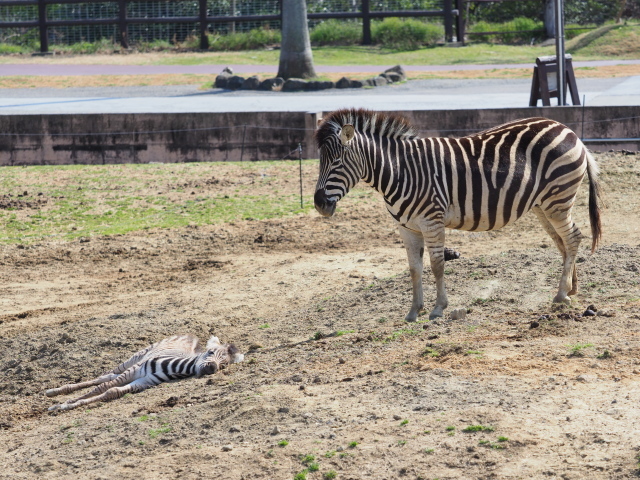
(300, 161)
(122, 23)
(448, 21)
(559, 9)
(204, 40)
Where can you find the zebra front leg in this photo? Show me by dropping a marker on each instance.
(434, 238)
(414, 244)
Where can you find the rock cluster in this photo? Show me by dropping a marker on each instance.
(229, 81)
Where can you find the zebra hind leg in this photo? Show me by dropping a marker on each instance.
(434, 239)
(571, 236)
(110, 394)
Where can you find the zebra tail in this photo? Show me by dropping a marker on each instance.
(595, 201)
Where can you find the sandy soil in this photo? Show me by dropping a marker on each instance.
(331, 367)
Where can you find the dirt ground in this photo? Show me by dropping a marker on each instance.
(331, 367)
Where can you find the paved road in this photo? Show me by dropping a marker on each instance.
(413, 95)
(60, 69)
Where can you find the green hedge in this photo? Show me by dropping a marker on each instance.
(336, 32)
(405, 34)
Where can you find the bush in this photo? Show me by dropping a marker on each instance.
(508, 32)
(336, 32)
(251, 40)
(405, 34)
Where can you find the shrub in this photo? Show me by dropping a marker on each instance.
(508, 32)
(405, 34)
(336, 32)
(251, 40)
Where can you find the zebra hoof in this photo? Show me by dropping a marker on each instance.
(437, 312)
(411, 317)
(562, 299)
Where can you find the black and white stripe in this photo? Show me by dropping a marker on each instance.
(173, 358)
(475, 183)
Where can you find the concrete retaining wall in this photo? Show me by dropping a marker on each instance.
(199, 137)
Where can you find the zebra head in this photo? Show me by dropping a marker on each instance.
(217, 358)
(340, 169)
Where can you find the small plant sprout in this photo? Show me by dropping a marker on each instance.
(283, 443)
(301, 475)
(330, 475)
(577, 349)
(402, 443)
(503, 439)
(353, 444)
(604, 355)
(477, 428)
(330, 453)
(404, 422)
(307, 459)
(265, 325)
(429, 450)
(314, 467)
(450, 428)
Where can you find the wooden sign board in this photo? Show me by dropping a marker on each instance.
(544, 85)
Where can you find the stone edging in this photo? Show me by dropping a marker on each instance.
(227, 80)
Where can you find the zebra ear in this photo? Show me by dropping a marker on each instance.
(347, 133)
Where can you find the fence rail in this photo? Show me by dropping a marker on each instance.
(452, 18)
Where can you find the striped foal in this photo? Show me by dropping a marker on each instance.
(475, 183)
(173, 358)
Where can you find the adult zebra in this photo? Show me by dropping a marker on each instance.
(475, 183)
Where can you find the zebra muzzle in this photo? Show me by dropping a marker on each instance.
(324, 205)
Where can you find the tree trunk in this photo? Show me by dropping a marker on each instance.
(550, 19)
(296, 60)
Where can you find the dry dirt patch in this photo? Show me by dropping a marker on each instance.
(320, 304)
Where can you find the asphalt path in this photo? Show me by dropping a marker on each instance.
(411, 95)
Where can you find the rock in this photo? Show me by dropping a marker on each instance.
(397, 417)
(450, 254)
(586, 378)
(458, 314)
(534, 324)
(283, 410)
(397, 70)
(227, 448)
(222, 80)
(272, 84)
(234, 429)
(589, 313)
(344, 82)
(340, 449)
(294, 85)
(370, 82)
(251, 83)
(235, 82)
(392, 77)
(296, 378)
(317, 85)
(342, 360)
(229, 70)
(275, 431)
(380, 81)
(357, 84)
(317, 380)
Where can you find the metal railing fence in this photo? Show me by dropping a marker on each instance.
(130, 21)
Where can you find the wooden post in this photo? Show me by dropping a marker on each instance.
(559, 11)
(460, 21)
(204, 40)
(122, 23)
(448, 21)
(366, 23)
(42, 23)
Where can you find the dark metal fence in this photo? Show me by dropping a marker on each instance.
(128, 21)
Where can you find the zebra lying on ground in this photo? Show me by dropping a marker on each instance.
(173, 358)
(475, 183)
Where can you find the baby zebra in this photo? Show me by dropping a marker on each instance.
(173, 358)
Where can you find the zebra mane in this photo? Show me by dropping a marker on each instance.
(365, 121)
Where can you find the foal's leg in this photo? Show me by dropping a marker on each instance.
(72, 387)
(111, 394)
(414, 244)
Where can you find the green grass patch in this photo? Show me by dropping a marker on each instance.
(155, 432)
(74, 201)
(478, 428)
